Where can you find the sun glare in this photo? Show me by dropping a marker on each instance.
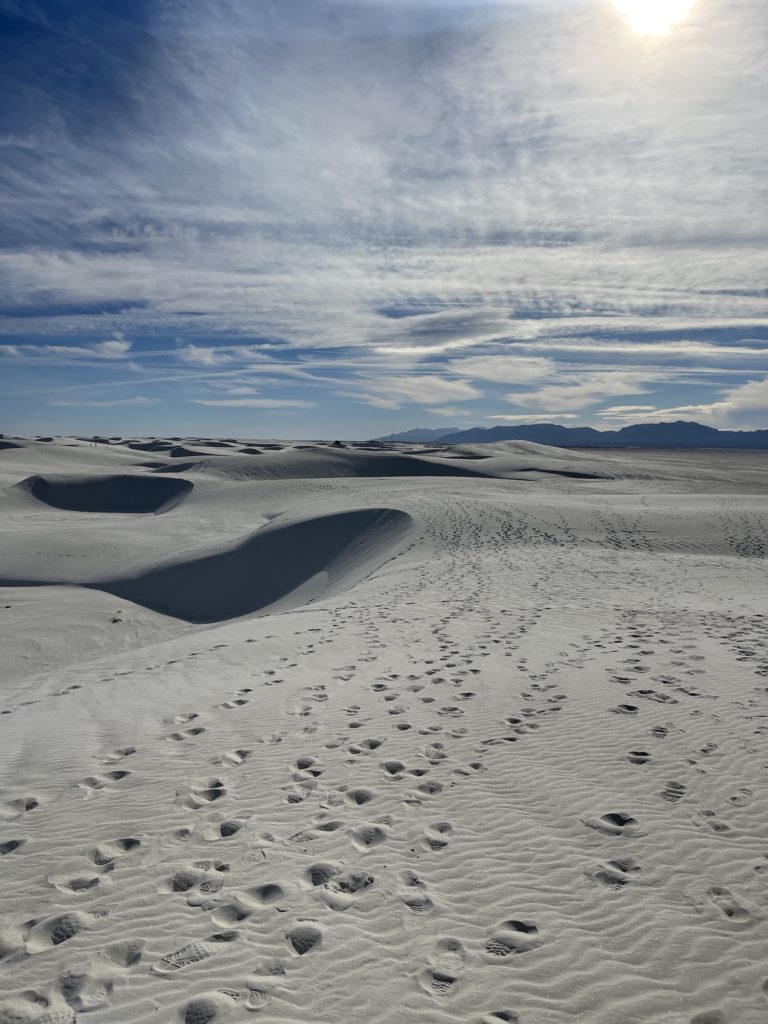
(654, 17)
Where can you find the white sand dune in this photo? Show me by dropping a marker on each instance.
(410, 735)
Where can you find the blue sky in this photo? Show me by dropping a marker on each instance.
(340, 219)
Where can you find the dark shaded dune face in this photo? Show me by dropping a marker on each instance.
(180, 452)
(406, 465)
(142, 494)
(569, 474)
(305, 560)
(178, 467)
(5, 445)
(150, 446)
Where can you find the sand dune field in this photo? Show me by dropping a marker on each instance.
(316, 733)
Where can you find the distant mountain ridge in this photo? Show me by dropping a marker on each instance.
(680, 434)
(417, 434)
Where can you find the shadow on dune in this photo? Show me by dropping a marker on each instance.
(301, 561)
(107, 493)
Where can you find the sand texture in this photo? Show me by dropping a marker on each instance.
(328, 734)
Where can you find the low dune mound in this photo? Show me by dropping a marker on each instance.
(107, 493)
(150, 446)
(5, 445)
(299, 464)
(180, 452)
(288, 562)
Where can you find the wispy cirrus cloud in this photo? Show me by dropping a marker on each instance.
(532, 417)
(254, 403)
(427, 390)
(115, 348)
(585, 390)
(90, 403)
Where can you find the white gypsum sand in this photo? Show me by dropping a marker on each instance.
(401, 735)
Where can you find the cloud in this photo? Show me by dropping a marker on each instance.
(255, 403)
(103, 404)
(116, 348)
(588, 389)
(222, 355)
(453, 411)
(503, 369)
(622, 410)
(740, 408)
(536, 417)
(632, 347)
(394, 392)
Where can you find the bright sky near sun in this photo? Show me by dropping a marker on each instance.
(323, 218)
(654, 17)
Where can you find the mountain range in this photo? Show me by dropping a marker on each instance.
(680, 434)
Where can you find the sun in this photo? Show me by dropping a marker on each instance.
(654, 17)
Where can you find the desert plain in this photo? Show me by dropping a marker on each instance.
(334, 733)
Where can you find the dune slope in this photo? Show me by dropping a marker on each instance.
(307, 558)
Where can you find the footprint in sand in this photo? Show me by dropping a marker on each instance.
(96, 782)
(118, 755)
(53, 931)
(17, 806)
(638, 757)
(201, 793)
(209, 1007)
(171, 963)
(197, 880)
(615, 874)
(729, 906)
(303, 938)
(105, 854)
(10, 845)
(673, 791)
(84, 991)
(75, 879)
(512, 938)
(181, 719)
(615, 823)
(709, 819)
(343, 889)
(436, 836)
(414, 894)
(365, 837)
(233, 758)
(186, 734)
(446, 965)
